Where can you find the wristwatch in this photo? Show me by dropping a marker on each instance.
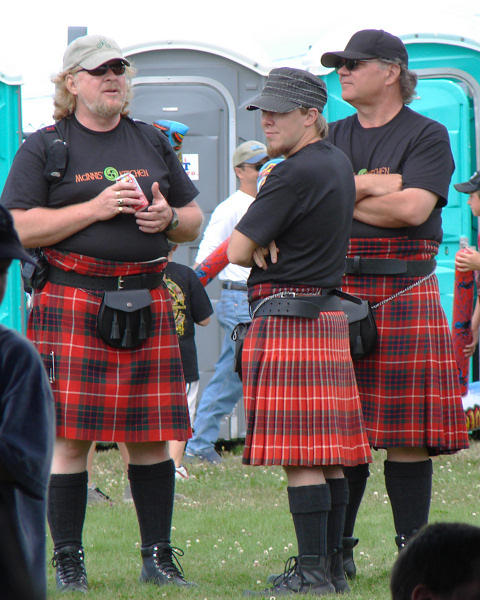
(173, 221)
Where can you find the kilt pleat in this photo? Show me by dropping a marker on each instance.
(102, 393)
(408, 386)
(301, 399)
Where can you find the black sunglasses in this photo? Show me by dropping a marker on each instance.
(351, 63)
(118, 68)
(256, 166)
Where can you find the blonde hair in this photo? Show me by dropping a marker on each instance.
(321, 125)
(64, 102)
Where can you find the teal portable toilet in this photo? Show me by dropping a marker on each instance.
(13, 307)
(448, 90)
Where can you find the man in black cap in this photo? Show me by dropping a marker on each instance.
(301, 402)
(469, 259)
(26, 445)
(402, 164)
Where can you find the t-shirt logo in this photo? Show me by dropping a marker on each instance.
(111, 173)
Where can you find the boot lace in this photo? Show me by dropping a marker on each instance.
(70, 567)
(291, 578)
(166, 561)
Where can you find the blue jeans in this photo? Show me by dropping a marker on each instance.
(224, 389)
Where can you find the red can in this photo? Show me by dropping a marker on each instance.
(130, 178)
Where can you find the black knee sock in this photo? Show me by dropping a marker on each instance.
(409, 487)
(310, 505)
(153, 488)
(357, 481)
(66, 506)
(336, 517)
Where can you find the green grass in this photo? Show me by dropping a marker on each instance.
(234, 525)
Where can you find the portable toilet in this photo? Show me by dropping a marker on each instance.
(206, 88)
(12, 309)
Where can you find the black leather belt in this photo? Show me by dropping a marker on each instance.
(142, 281)
(389, 266)
(231, 285)
(296, 306)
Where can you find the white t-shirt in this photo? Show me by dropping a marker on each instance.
(221, 225)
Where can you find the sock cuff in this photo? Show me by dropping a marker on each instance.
(309, 498)
(339, 491)
(157, 470)
(423, 468)
(61, 480)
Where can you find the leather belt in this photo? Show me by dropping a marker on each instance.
(123, 282)
(231, 285)
(389, 266)
(296, 306)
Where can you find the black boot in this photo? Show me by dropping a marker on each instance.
(337, 572)
(307, 574)
(159, 566)
(349, 567)
(70, 569)
(402, 540)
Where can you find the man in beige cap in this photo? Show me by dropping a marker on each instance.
(99, 246)
(224, 389)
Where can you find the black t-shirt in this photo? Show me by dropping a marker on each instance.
(95, 159)
(306, 206)
(410, 144)
(191, 305)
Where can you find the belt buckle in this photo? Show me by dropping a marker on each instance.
(120, 282)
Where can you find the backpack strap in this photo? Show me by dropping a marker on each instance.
(56, 152)
(151, 133)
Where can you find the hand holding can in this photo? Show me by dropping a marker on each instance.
(130, 178)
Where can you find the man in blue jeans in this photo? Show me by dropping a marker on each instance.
(224, 390)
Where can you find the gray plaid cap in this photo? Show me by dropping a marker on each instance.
(287, 89)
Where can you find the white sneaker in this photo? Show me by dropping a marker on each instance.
(181, 473)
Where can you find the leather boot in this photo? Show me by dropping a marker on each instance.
(402, 540)
(70, 572)
(307, 574)
(337, 572)
(159, 566)
(348, 545)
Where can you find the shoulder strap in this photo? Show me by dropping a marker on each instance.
(56, 151)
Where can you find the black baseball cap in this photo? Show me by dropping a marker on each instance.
(287, 88)
(369, 43)
(472, 185)
(10, 245)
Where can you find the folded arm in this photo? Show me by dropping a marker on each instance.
(382, 203)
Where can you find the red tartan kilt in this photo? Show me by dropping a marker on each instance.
(102, 393)
(409, 386)
(301, 399)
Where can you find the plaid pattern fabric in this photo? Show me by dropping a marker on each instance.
(102, 393)
(408, 386)
(301, 400)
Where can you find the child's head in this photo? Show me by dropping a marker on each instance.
(472, 188)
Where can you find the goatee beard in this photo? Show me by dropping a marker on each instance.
(276, 151)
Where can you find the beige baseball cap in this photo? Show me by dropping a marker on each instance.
(250, 152)
(91, 51)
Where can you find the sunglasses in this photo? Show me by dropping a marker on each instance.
(256, 166)
(352, 63)
(118, 68)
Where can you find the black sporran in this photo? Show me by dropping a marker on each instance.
(124, 318)
(238, 336)
(361, 324)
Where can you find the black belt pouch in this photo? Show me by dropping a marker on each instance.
(124, 318)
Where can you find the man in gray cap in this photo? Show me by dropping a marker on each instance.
(224, 389)
(26, 444)
(408, 386)
(301, 400)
